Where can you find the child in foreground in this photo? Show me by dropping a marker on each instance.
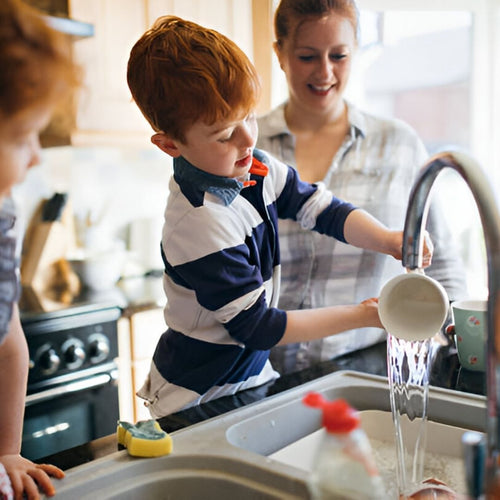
(36, 71)
(220, 243)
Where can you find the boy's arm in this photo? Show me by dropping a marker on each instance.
(24, 475)
(364, 231)
(311, 324)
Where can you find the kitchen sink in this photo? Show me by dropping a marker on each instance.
(443, 460)
(177, 476)
(265, 449)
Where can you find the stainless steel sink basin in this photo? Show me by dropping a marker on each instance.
(178, 476)
(245, 453)
(443, 460)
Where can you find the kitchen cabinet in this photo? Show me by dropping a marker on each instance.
(106, 113)
(138, 334)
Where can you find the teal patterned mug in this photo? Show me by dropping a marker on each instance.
(469, 317)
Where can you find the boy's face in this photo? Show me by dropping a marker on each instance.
(223, 148)
(20, 145)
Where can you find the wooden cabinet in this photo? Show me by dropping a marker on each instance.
(106, 114)
(138, 335)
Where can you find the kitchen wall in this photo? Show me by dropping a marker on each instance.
(119, 191)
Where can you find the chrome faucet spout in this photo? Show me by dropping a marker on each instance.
(416, 216)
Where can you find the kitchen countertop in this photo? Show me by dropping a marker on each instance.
(129, 294)
(446, 373)
(143, 292)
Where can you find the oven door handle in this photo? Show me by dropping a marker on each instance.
(80, 385)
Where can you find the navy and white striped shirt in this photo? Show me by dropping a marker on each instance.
(220, 248)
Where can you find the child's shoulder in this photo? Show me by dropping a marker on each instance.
(192, 232)
(204, 218)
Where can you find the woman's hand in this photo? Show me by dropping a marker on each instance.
(27, 477)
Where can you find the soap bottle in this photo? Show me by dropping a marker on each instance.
(344, 467)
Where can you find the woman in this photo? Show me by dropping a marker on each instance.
(370, 161)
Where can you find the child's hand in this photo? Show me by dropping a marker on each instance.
(26, 477)
(371, 307)
(427, 251)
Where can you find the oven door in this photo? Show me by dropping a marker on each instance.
(70, 414)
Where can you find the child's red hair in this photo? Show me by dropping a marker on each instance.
(36, 63)
(180, 72)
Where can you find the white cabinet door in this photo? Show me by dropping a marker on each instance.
(138, 335)
(106, 112)
(146, 328)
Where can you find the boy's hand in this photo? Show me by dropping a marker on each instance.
(427, 251)
(371, 307)
(26, 477)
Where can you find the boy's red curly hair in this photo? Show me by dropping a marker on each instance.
(180, 72)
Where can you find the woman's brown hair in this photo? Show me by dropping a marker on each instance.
(290, 14)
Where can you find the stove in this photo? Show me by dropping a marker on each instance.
(72, 395)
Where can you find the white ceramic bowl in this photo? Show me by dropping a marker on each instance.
(100, 271)
(413, 306)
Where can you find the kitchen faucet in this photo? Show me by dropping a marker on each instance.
(416, 216)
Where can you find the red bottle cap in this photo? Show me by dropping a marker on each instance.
(338, 416)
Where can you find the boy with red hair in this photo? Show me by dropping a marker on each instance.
(220, 243)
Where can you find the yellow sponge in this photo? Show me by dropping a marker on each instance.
(144, 439)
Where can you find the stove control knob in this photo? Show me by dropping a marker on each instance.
(74, 353)
(48, 359)
(98, 348)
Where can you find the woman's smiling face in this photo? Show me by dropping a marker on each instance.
(317, 61)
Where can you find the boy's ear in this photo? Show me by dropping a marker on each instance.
(166, 144)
